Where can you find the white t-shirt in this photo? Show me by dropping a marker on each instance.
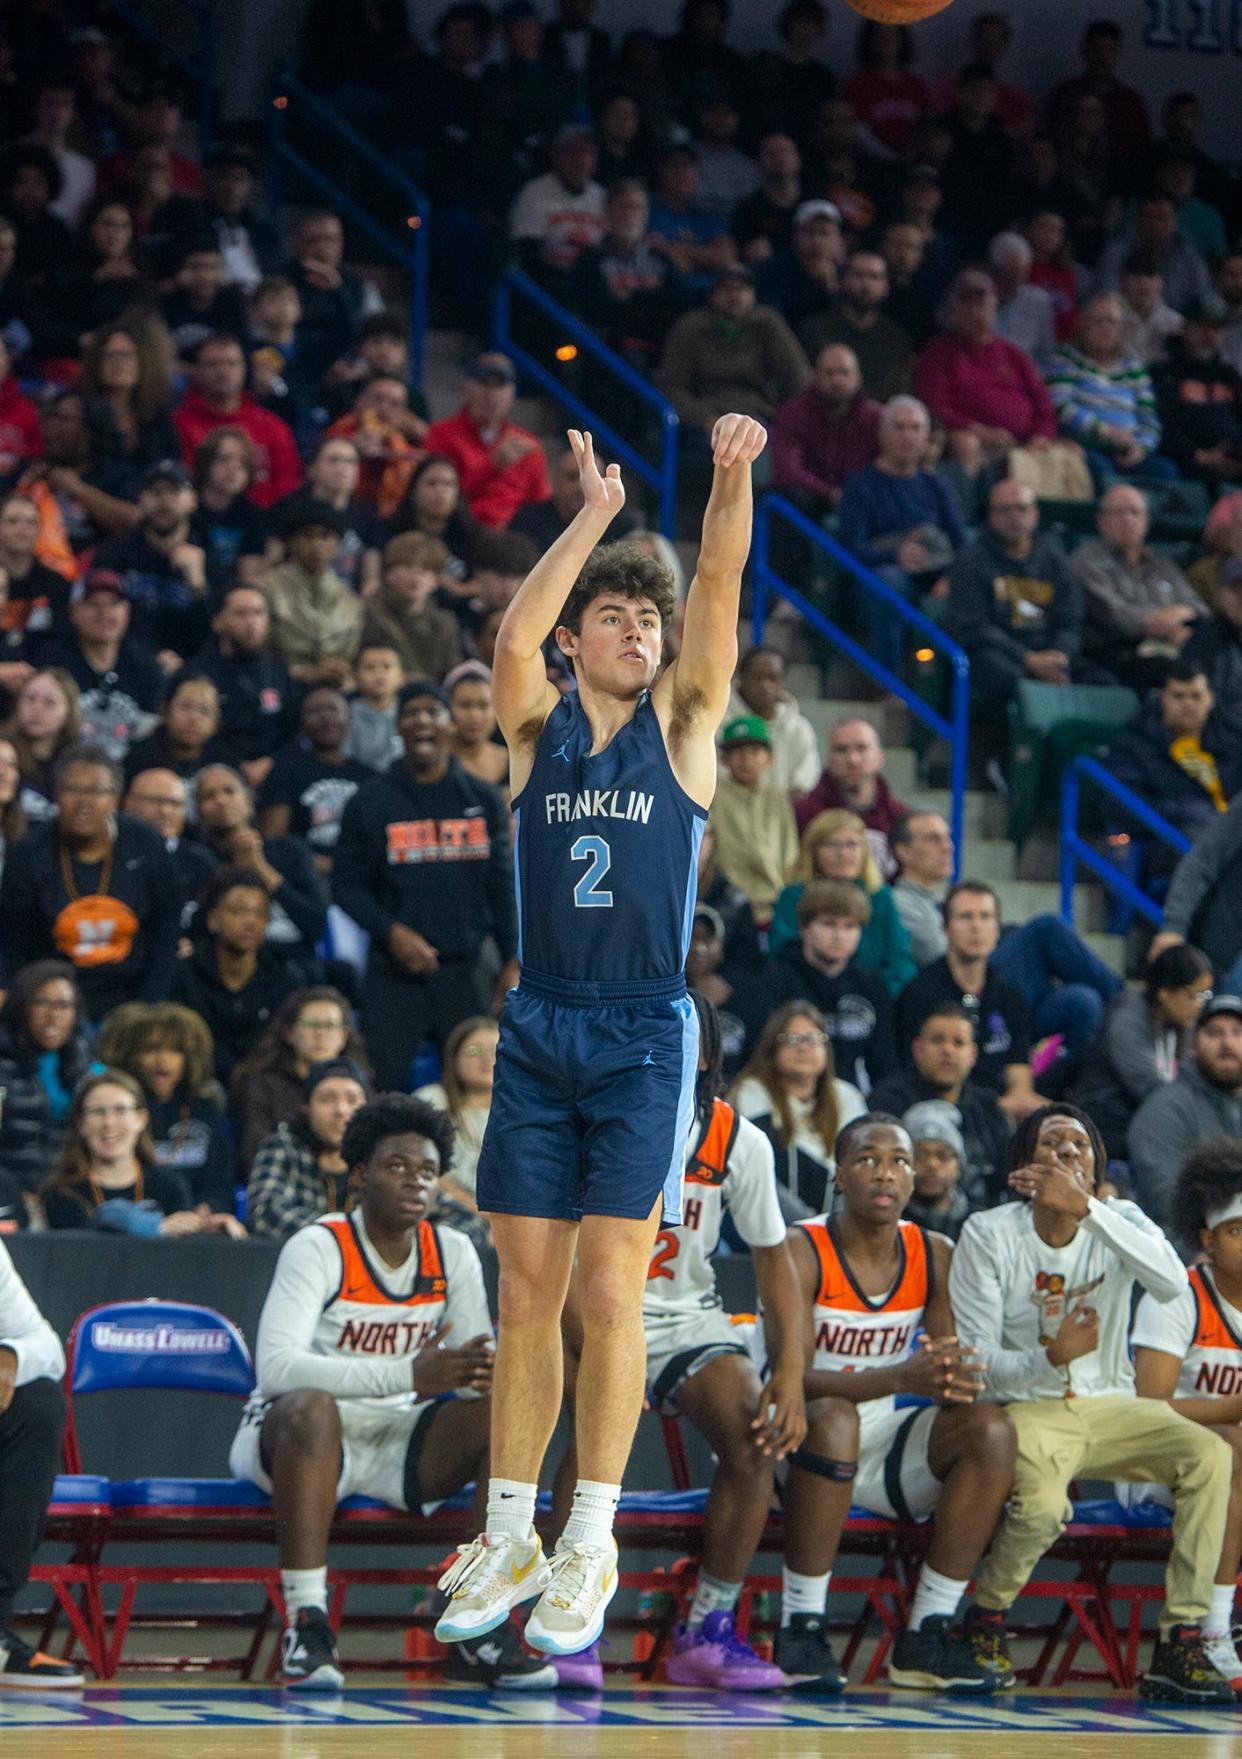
(754, 1101)
(564, 220)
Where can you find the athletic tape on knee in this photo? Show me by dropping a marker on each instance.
(839, 1471)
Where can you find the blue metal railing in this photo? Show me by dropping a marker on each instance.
(1075, 849)
(661, 477)
(407, 245)
(956, 730)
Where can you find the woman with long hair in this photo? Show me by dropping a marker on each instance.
(127, 390)
(312, 1025)
(168, 1051)
(12, 812)
(44, 1053)
(47, 720)
(102, 279)
(469, 691)
(834, 846)
(464, 1091)
(433, 504)
(789, 1088)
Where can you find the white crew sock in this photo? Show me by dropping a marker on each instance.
(802, 1594)
(303, 1588)
(711, 1595)
(934, 1594)
(595, 1508)
(510, 1509)
(1219, 1620)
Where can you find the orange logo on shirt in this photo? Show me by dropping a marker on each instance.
(438, 839)
(95, 930)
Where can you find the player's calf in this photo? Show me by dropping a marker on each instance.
(817, 1502)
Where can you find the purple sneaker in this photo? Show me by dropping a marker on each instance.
(583, 1672)
(716, 1656)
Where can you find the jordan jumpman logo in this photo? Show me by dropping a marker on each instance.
(562, 751)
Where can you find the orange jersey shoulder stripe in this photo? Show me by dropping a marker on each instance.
(358, 1283)
(710, 1161)
(1211, 1331)
(837, 1289)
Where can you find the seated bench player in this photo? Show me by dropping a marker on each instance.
(359, 1393)
(1188, 1351)
(870, 1281)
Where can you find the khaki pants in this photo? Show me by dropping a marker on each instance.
(1112, 1437)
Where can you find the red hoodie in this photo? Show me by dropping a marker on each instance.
(21, 437)
(278, 469)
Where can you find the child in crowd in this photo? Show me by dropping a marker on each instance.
(403, 614)
(372, 736)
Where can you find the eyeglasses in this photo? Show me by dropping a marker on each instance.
(320, 1026)
(169, 800)
(97, 1113)
(47, 1005)
(842, 845)
(478, 1050)
(802, 1040)
(93, 791)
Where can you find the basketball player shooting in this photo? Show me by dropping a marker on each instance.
(598, 1058)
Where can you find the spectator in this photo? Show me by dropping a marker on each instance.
(217, 398)
(44, 1053)
(163, 574)
(168, 1051)
(911, 299)
(629, 287)
(386, 433)
(731, 354)
(225, 524)
(938, 1201)
(120, 682)
(922, 847)
(1053, 268)
(943, 1058)
(372, 736)
(465, 1093)
(763, 222)
(852, 780)
(12, 814)
(500, 466)
(825, 433)
(1200, 397)
(299, 1173)
(1221, 541)
(1146, 321)
(790, 1089)
(275, 363)
(845, 165)
(30, 182)
(333, 298)
(35, 597)
(47, 720)
(160, 798)
(542, 522)
(93, 887)
(978, 167)
(696, 242)
(820, 967)
(793, 80)
(716, 891)
(71, 488)
(802, 278)
(98, 283)
(707, 976)
(225, 806)
(751, 819)
(435, 507)
(404, 613)
(1104, 399)
(558, 215)
(882, 347)
(201, 301)
(1182, 117)
(253, 684)
(53, 121)
(21, 438)
(126, 385)
(233, 977)
(1204, 900)
(468, 688)
(383, 352)
(316, 619)
(1176, 174)
(421, 982)
(1154, 234)
(727, 175)
(983, 391)
(697, 56)
(1139, 608)
(759, 689)
(998, 1014)
(1025, 315)
(1147, 1037)
(901, 519)
(1203, 1100)
(1128, 124)
(248, 244)
(1216, 643)
(310, 784)
(990, 38)
(311, 1026)
(834, 847)
(185, 739)
(577, 51)
(920, 197)
(888, 98)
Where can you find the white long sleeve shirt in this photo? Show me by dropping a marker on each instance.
(1010, 1292)
(24, 1330)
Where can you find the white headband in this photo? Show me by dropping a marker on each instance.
(1227, 1212)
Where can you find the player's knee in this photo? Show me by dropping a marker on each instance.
(43, 1410)
(308, 1421)
(1232, 1439)
(990, 1437)
(1207, 1463)
(614, 1299)
(523, 1298)
(832, 1429)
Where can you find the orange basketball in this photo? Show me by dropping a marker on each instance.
(898, 11)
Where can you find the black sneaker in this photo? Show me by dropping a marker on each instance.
(804, 1655)
(499, 1661)
(985, 1632)
(936, 1658)
(25, 1669)
(1182, 1673)
(308, 1658)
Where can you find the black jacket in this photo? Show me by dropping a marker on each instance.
(381, 875)
(30, 1139)
(1216, 645)
(300, 901)
(1200, 404)
(857, 1010)
(985, 1129)
(257, 699)
(236, 1017)
(1141, 759)
(1001, 1022)
(192, 1138)
(1001, 610)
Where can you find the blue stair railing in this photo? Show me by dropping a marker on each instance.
(662, 477)
(955, 731)
(408, 245)
(1075, 848)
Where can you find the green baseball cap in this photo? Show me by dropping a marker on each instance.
(745, 730)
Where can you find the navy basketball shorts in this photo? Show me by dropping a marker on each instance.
(592, 1106)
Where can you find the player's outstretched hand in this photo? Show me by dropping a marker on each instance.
(606, 493)
(737, 439)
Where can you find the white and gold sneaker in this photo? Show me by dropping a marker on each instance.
(485, 1581)
(570, 1613)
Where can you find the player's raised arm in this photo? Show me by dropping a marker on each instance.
(520, 687)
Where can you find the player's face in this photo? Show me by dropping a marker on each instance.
(1064, 1142)
(876, 1176)
(1223, 1246)
(399, 1182)
(618, 647)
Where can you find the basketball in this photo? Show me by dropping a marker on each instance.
(898, 11)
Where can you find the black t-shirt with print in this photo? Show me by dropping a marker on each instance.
(318, 793)
(999, 1016)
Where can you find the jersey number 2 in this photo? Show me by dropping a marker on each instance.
(666, 1244)
(597, 852)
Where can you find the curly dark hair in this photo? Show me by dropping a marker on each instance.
(1025, 1139)
(1208, 1179)
(846, 1138)
(711, 1075)
(622, 569)
(396, 1114)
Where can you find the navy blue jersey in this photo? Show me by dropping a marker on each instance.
(607, 853)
